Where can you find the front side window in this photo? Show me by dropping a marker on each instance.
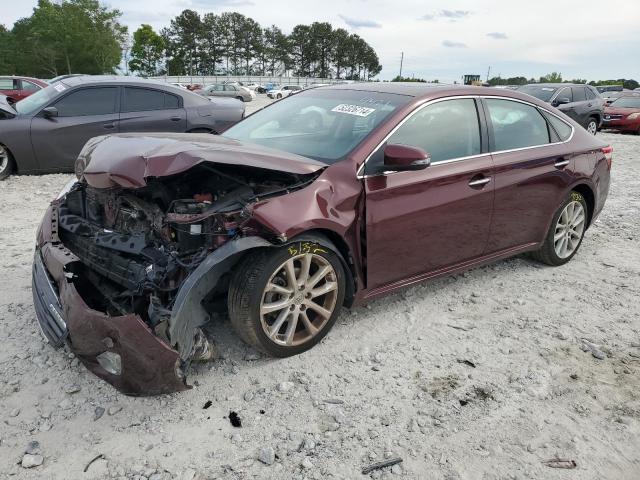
(88, 101)
(445, 130)
(30, 86)
(565, 93)
(145, 99)
(516, 125)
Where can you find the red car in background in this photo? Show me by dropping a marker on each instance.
(17, 88)
(623, 114)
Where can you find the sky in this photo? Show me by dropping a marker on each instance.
(441, 39)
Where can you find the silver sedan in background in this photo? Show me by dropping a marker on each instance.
(227, 90)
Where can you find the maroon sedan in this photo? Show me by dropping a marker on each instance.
(17, 88)
(623, 115)
(329, 198)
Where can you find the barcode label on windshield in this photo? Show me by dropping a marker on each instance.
(353, 110)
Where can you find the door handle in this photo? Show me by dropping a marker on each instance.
(109, 125)
(175, 119)
(562, 163)
(479, 182)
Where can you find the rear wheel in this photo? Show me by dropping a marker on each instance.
(279, 96)
(285, 301)
(7, 164)
(566, 233)
(592, 125)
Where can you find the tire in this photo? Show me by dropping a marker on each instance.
(240, 98)
(279, 96)
(552, 252)
(7, 164)
(592, 125)
(254, 312)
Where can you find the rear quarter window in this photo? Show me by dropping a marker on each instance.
(561, 128)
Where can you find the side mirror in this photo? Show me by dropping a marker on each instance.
(50, 112)
(402, 158)
(561, 101)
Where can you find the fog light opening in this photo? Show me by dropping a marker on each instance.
(111, 362)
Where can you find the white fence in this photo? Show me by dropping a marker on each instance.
(282, 80)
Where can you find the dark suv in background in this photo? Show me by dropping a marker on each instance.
(583, 103)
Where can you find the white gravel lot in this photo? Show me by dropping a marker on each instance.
(477, 376)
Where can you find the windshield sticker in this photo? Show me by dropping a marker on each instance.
(59, 87)
(356, 110)
(547, 89)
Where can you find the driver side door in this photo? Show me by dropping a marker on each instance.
(83, 113)
(428, 221)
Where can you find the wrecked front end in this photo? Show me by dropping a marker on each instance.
(129, 275)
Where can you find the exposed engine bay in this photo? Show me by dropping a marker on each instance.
(137, 246)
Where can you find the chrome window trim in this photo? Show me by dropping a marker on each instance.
(359, 175)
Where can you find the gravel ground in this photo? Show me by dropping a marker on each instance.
(483, 375)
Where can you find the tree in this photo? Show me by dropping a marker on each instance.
(553, 77)
(182, 39)
(7, 51)
(212, 43)
(73, 36)
(147, 51)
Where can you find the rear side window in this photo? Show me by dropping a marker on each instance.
(562, 129)
(590, 94)
(8, 84)
(145, 99)
(88, 101)
(446, 130)
(516, 125)
(578, 94)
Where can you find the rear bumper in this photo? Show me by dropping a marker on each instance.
(148, 365)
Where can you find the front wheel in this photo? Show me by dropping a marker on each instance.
(6, 163)
(566, 233)
(279, 96)
(592, 126)
(284, 301)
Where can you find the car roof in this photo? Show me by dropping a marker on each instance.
(557, 85)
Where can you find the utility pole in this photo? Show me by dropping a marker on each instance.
(401, 59)
(488, 72)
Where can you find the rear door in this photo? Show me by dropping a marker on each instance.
(425, 221)
(150, 110)
(532, 171)
(83, 113)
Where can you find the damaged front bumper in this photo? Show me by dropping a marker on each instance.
(123, 350)
(138, 362)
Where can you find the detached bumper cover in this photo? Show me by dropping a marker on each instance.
(149, 365)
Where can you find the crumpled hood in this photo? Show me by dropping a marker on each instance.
(128, 160)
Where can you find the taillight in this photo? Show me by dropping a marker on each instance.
(608, 154)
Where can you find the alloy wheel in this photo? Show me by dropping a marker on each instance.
(592, 127)
(569, 229)
(4, 159)
(299, 299)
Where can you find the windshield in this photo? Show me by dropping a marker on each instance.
(325, 125)
(627, 102)
(34, 102)
(543, 93)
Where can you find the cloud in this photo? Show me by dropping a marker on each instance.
(357, 23)
(451, 15)
(450, 44)
(497, 35)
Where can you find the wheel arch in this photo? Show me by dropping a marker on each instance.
(589, 196)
